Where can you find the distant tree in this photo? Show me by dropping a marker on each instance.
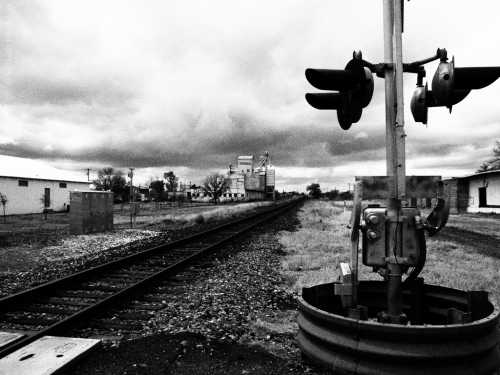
(332, 194)
(171, 181)
(103, 181)
(118, 186)
(493, 163)
(215, 185)
(3, 201)
(110, 179)
(314, 190)
(157, 187)
(346, 195)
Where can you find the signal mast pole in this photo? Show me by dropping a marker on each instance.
(395, 149)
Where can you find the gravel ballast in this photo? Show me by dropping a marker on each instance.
(237, 317)
(26, 266)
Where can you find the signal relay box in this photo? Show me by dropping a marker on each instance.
(382, 239)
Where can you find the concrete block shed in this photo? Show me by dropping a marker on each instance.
(27, 195)
(91, 211)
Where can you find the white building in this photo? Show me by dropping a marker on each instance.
(245, 164)
(251, 179)
(235, 185)
(27, 195)
(479, 192)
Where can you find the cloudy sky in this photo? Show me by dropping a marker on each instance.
(189, 85)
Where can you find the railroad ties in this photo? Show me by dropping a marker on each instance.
(78, 300)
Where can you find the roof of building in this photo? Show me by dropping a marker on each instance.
(45, 179)
(480, 174)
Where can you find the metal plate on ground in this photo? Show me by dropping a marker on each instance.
(8, 337)
(46, 355)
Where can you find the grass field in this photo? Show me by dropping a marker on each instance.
(315, 250)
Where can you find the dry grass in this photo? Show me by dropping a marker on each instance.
(479, 223)
(315, 250)
(455, 265)
(194, 216)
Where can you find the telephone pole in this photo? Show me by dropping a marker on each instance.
(131, 194)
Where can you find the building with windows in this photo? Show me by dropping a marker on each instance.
(245, 164)
(252, 179)
(479, 192)
(26, 195)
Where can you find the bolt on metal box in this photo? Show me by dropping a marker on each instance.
(374, 236)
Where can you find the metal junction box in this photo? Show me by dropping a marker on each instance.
(91, 212)
(374, 236)
(383, 239)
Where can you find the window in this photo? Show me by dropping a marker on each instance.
(62, 184)
(23, 182)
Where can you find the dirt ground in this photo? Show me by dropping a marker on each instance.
(184, 354)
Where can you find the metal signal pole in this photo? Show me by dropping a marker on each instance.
(395, 148)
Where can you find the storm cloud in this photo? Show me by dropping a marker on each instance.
(191, 85)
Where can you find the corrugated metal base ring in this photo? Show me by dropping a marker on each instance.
(428, 346)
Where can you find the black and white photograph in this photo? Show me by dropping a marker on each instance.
(195, 187)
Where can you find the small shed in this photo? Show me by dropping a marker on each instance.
(91, 212)
(479, 192)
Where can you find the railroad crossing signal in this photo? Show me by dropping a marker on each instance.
(450, 85)
(354, 85)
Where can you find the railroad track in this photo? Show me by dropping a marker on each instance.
(70, 302)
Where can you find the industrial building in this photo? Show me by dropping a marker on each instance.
(479, 192)
(26, 195)
(251, 179)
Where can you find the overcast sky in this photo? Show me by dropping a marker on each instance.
(189, 85)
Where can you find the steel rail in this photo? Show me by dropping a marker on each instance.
(20, 297)
(122, 296)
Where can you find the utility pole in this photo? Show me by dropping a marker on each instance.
(395, 150)
(131, 194)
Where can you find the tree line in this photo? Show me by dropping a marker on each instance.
(315, 192)
(110, 179)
